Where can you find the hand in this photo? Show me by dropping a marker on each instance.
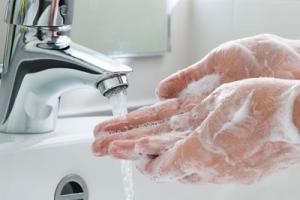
(239, 133)
(260, 56)
(263, 55)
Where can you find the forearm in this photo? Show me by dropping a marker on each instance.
(296, 114)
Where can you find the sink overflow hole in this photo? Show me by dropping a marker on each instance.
(71, 187)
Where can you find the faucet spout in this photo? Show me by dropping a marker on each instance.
(41, 63)
(111, 74)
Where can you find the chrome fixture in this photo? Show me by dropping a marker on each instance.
(41, 62)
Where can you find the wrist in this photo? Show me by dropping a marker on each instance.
(296, 114)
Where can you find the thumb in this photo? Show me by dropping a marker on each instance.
(173, 85)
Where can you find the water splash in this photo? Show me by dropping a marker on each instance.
(118, 102)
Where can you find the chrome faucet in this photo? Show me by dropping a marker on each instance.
(41, 62)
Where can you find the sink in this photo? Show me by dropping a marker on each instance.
(32, 166)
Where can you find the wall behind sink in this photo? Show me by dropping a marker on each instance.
(197, 26)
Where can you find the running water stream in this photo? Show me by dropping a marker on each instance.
(118, 103)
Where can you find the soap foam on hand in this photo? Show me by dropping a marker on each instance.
(203, 86)
(281, 128)
(284, 128)
(254, 155)
(236, 113)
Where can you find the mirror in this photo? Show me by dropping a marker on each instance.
(122, 28)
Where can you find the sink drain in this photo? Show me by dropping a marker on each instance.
(71, 187)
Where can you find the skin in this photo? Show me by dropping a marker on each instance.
(212, 146)
(296, 112)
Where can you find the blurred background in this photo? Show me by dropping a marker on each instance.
(157, 38)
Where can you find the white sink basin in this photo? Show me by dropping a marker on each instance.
(32, 166)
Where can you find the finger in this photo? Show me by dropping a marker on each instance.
(126, 150)
(229, 62)
(141, 148)
(188, 156)
(193, 179)
(123, 149)
(192, 119)
(190, 101)
(174, 84)
(178, 123)
(100, 146)
(156, 112)
(156, 145)
(204, 176)
(167, 167)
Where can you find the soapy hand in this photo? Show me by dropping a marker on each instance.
(197, 136)
(239, 133)
(260, 56)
